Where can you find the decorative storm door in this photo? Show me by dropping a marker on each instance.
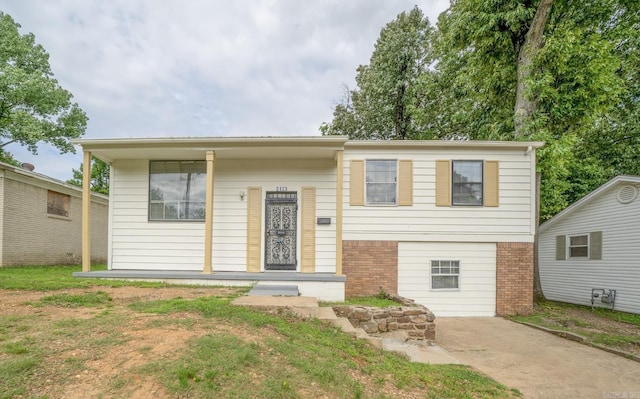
(280, 230)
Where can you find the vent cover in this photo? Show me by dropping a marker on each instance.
(626, 194)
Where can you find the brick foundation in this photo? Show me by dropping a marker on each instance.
(514, 278)
(370, 266)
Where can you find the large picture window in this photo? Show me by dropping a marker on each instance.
(381, 182)
(177, 190)
(445, 274)
(467, 183)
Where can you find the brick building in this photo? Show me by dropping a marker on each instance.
(40, 220)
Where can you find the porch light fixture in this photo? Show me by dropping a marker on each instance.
(242, 195)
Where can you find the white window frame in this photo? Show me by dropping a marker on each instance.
(367, 183)
(569, 246)
(453, 183)
(180, 203)
(448, 274)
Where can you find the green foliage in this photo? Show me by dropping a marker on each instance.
(388, 95)
(33, 106)
(583, 86)
(100, 172)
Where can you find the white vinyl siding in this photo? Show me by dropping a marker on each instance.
(511, 221)
(616, 225)
(140, 244)
(143, 245)
(476, 292)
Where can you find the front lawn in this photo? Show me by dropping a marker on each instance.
(109, 340)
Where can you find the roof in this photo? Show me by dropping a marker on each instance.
(587, 199)
(38, 179)
(301, 147)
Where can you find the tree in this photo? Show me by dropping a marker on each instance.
(33, 106)
(386, 100)
(99, 176)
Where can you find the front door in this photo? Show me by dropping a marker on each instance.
(281, 222)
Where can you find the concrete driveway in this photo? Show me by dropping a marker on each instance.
(539, 364)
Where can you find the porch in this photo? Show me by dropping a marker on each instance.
(324, 286)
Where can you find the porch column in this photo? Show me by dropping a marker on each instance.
(86, 212)
(339, 175)
(208, 215)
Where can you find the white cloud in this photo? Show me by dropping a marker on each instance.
(143, 68)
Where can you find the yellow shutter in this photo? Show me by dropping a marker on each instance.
(308, 237)
(491, 183)
(405, 182)
(254, 229)
(356, 183)
(443, 183)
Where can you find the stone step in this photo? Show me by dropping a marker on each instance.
(274, 290)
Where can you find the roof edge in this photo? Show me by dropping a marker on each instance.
(587, 198)
(444, 143)
(337, 141)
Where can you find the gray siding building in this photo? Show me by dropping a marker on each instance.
(595, 244)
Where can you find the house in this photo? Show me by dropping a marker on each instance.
(447, 223)
(40, 220)
(594, 244)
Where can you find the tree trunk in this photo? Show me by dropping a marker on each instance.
(538, 295)
(533, 42)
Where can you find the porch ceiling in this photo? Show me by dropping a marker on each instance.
(109, 150)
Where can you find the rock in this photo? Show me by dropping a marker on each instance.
(381, 315)
(369, 327)
(361, 314)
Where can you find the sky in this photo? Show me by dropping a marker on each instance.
(169, 68)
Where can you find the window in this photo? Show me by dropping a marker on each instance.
(177, 190)
(381, 182)
(579, 246)
(57, 204)
(467, 183)
(445, 274)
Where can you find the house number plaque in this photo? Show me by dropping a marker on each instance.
(281, 188)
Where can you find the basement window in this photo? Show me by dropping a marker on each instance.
(445, 274)
(58, 203)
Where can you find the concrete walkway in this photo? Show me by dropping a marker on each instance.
(539, 364)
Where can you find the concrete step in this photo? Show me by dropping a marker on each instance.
(326, 313)
(274, 290)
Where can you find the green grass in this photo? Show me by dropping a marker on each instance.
(51, 278)
(566, 317)
(374, 301)
(88, 299)
(254, 355)
(295, 356)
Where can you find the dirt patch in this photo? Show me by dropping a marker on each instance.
(82, 366)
